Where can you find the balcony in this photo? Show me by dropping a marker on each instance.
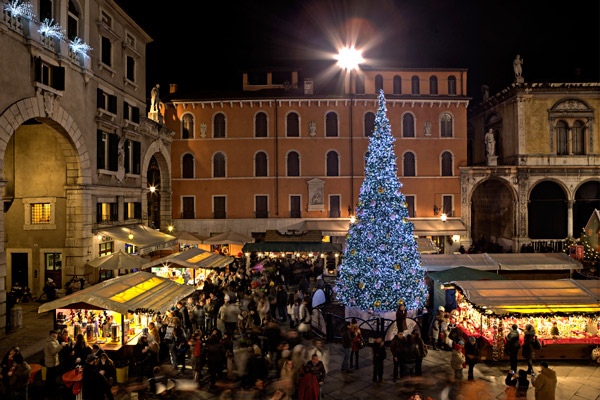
(295, 214)
(334, 213)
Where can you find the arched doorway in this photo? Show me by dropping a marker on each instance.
(492, 213)
(547, 211)
(153, 177)
(587, 198)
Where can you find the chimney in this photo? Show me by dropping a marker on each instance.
(308, 86)
(172, 88)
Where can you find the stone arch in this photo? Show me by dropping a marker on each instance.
(158, 150)
(547, 210)
(493, 212)
(587, 199)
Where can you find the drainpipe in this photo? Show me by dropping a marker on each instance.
(276, 162)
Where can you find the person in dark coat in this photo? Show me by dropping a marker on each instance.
(143, 357)
(18, 378)
(107, 369)
(80, 350)
(214, 359)
(472, 355)
(513, 345)
(379, 354)
(282, 298)
(185, 317)
(401, 317)
(396, 349)
(410, 353)
(304, 286)
(93, 385)
(422, 353)
(346, 346)
(528, 350)
(519, 382)
(308, 387)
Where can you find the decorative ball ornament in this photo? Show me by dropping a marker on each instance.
(397, 267)
(361, 285)
(377, 303)
(353, 251)
(405, 220)
(404, 204)
(380, 189)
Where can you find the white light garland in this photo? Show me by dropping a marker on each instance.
(78, 46)
(18, 8)
(49, 29)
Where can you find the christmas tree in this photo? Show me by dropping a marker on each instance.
(381, 266)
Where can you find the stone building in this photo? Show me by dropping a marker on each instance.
(76, 153)
(287, 149)
(538, 180)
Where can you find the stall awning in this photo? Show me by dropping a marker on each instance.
(118, 260)
(529, 297)
(436, 227)
(504, 261)
(126, 293)
(338, 227)
(144, 238)
(184, 237)
(193, 258)
(464, 274)
(293, 247)
(229, 237)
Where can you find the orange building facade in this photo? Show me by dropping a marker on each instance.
(282, 152)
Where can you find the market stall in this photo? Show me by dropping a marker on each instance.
(565, 314)
(228, 243)
(115, 312)
(188, 240)
(189, 266)
(117, 262)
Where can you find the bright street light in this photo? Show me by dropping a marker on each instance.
(349, 58)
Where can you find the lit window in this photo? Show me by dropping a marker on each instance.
(40, 213)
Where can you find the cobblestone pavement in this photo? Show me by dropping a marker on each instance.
(577, 380)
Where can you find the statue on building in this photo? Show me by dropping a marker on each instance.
(427, 128)
(517, 67)
(490, 148)
(155, 100)
(485, 92)
(203, 130)
(121, 160)
(312, 128)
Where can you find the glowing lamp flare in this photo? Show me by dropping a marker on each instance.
(349, 58)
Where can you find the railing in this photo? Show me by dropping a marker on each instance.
(17, 24)
(545, 246)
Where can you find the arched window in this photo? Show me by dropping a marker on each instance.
(446, 163)
(72, 20)
(260, 164)
(293, 125)
(397, 84)
(360, 84)
(187, 166)
(433, 85)
(446, 125)
(409, 168)
(332, 164)
(331, 124)
(562, 138)
(219, 126)
(260, 125)
(415, 85)
(378, 83)
(408, 125)
(451, 84)
(293, 164)
(578, 133)
(219, 165)
(369, 124)
(187, 127)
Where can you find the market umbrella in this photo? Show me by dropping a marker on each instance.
(185, 237)
(229, 237)
(118, 260)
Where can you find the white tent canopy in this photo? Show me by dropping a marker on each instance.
(229, 237)
(118, 260)
(500, 262)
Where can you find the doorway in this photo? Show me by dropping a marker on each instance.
(20, 269)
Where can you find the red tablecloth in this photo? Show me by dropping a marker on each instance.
(35, 368)
(73, 379)
(595, 340)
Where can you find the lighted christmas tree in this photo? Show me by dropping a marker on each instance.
(381, 265)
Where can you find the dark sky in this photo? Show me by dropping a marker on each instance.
(204, 45)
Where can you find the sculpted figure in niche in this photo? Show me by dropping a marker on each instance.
(155, 101)
(517, 66)
(490, 143)
(428, 128)
(317, 198)
(312, 128)
(203, 130)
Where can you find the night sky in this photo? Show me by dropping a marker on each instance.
(205, 45)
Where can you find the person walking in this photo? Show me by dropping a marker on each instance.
(528, 351)
(379, 354)
(512, 346)
(18, 378)
(457, 362)
(472, 355)
(51, 350)
(401, 314)
(422, 353)
(544, 383)
(357, 344)
(396, 349)
(317, 369)
(346, 346)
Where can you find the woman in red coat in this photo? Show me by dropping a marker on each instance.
(308, 388)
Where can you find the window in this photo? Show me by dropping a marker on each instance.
(219, 165)
(415, 85)
(332, 164)
(261, 206)
(446, 125)
(369, 124)
(53, 261)
(107, 213)
(295, 206)
(187, 207)
(107, 147)
(408, 125)
(72, 21)
(260, 164)
(452, 85)
(105, 249)
(378, 83)
(48, 74)
(260, 125)
(562, 138)
(219, 128)
(219, 210)
(360, 84)
(130, 69)
(46, 10)
(410, 205)
(187, 127)
(447, 205)
(578, 135)
(292, 125)
(40, 213)
(136, 157)
(334, 206)
(408, 163)
(446, 164)
(132, 210)
(433, 85)
(187, 166)
(397, 84)
(106, 101)
(293, 164)
(131, 113)
(331, 124)
(106, 52)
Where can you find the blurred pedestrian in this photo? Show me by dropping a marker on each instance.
(513, 346)
(544, 383)
(18, 378)
(357, 344)
(346, 345)
(472, 355)
(457, 362)
(379, 355)
(528, 350)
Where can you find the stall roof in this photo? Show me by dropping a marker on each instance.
(146, 239)
(464, 274)
(126, 293)
(502, 261)
(118, 260)
(530, 297)
(184, 237)
(229, 237)
(286, 247)
(193, 258)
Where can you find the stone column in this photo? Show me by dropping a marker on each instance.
(78, 240)
(521, 230)
(2, 265)
(570, 204)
